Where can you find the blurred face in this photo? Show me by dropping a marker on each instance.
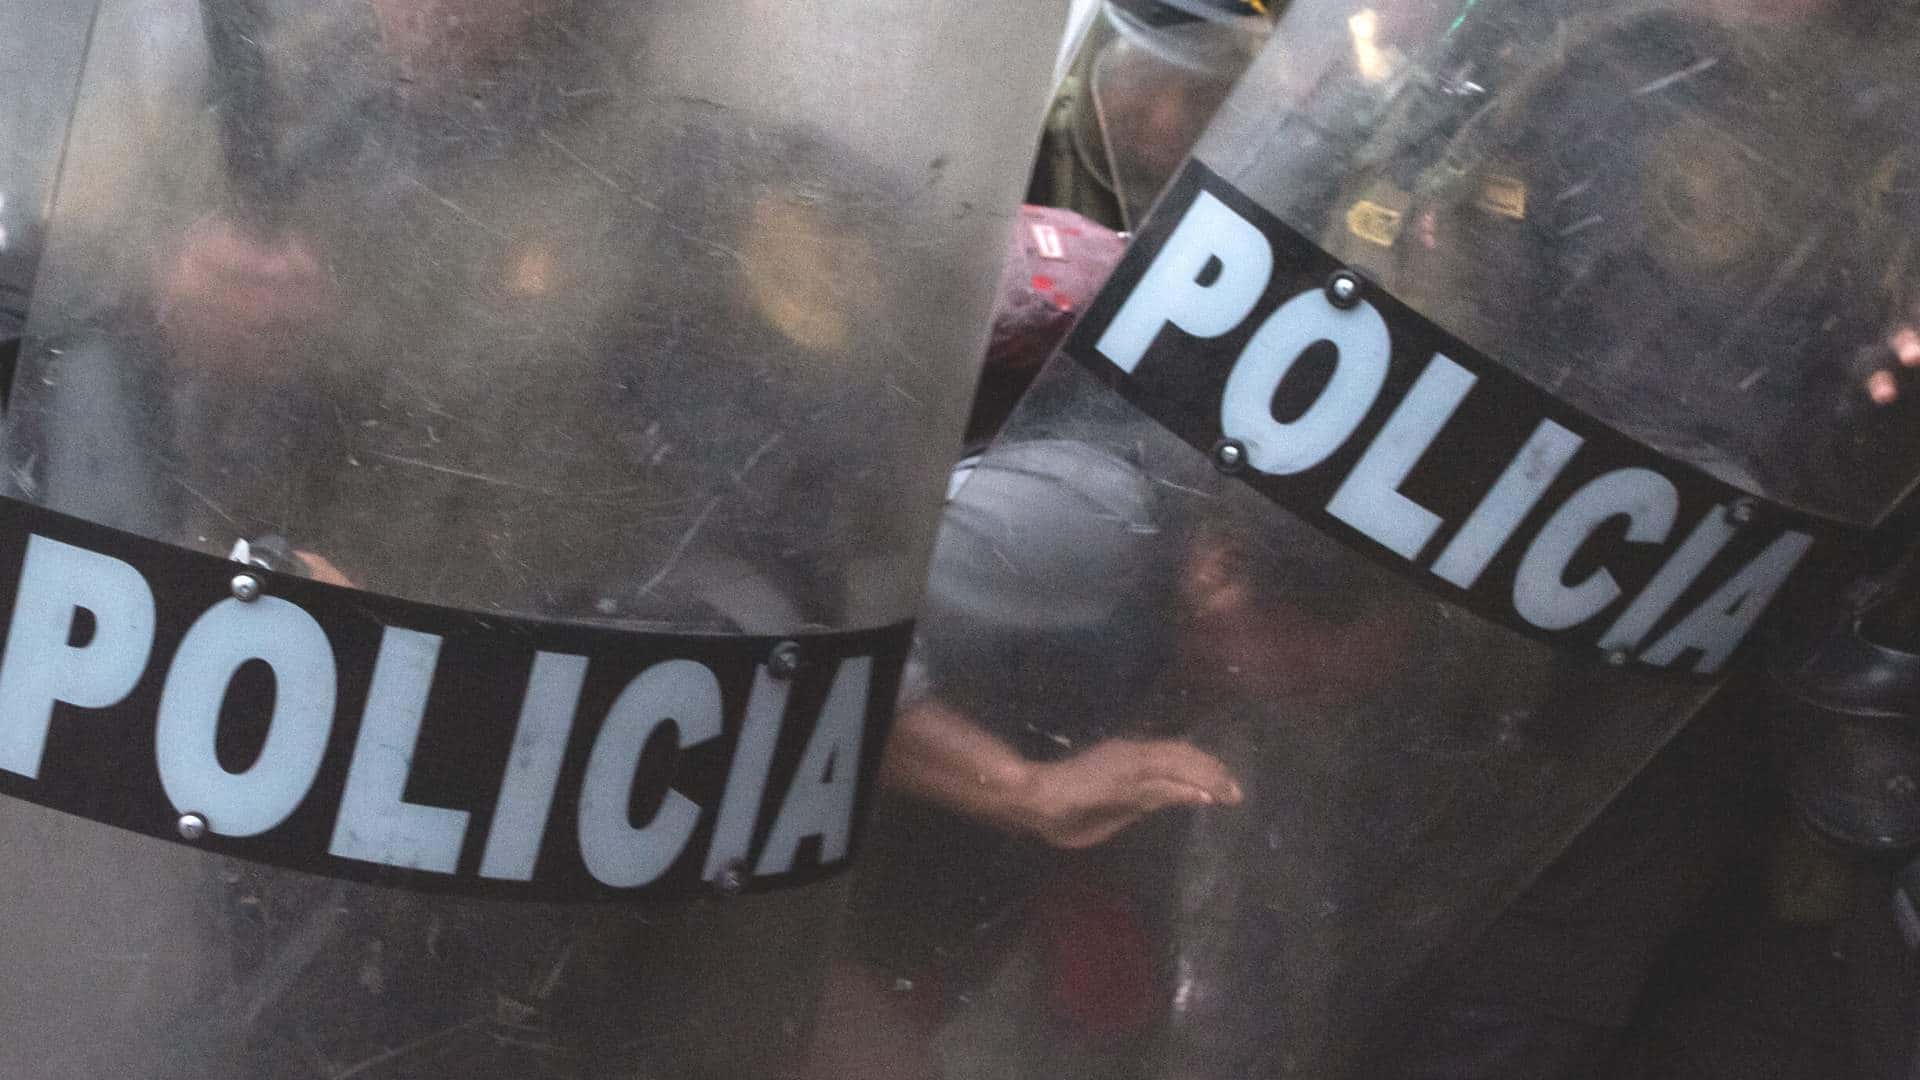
(432, 41)
(1336, 644)
(1158, 114)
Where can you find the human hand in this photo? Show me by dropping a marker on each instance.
(1096, 794)
(322, 570)
(232, 300)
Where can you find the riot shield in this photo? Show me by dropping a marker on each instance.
(1143, 80)
(39, 73)
(1153, 83)
(1483, 378)
(472, 467)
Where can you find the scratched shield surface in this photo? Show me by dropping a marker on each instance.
(41, 72)
(1598, 199)
(622, 318)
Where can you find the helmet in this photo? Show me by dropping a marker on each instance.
(1044, 574)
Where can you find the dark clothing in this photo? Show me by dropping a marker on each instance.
(1550, 987)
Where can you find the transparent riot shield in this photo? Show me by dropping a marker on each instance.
(1153, 87)
(39, 72)
(473, 466)
(1143, 80)
(1465, 403)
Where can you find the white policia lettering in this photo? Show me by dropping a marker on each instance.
(1207, 281)
(374, 822)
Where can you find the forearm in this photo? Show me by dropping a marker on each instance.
(939, 754)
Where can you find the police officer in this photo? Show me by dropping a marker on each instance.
(382, 315)
(1148, 77)
(387, 243)
(1649, 161)
(1661, 153)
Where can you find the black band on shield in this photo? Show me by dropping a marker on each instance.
(271, 718)
(1426, 455)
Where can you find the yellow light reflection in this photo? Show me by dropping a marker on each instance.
(1375, 63)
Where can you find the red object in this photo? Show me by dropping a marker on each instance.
(1098, 961)
(1059, 262)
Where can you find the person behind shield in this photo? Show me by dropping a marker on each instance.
(240, 282)
(408, 310)
(1082, 609)
(266, 289)
(1668, 151)
(1019, 759)
(1040, 615)
(1556, 207)
(402, 253)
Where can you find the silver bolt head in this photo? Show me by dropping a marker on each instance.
(1741, 511)
(784, 662)
(191, 826)
(246, 588)
(1619, 658)
(1229, 455)
(1344, 289)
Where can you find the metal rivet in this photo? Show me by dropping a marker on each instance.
(1619, 658)
(1344, 289)
(731, 880)
(191, 826)
(1742, 510)
(784, 662)
(246, 588)
(1229, 455)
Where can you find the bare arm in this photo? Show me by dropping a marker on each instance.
(940, 754)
